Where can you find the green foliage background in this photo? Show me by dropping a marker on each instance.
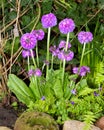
(26, 16)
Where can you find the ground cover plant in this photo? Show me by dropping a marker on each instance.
(48, 86)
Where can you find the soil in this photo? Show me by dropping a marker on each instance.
(8, 113)
(8, 117)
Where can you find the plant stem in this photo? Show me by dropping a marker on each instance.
(37, 57)
(33, 58)
(66, 48)
(28, 63)
(52, 62)
(47, 58)
(82, 54)
(64, 61)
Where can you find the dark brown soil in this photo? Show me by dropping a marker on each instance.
(8, 117)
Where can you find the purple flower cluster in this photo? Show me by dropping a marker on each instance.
(26, 53)
(49, 20)
(28, 41)
(54, 50)
(39, 34)
(66, 26)
(37, 72)
(81, 71)
(60, 51)
(66, 55)
(62, 44)
(85, 37)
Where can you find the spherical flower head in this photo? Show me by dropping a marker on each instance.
(66, 25)
(37, 72)
(62, 44)
(28, 41)
(69, 56)
(85, 37)
(49, 20)
(26, 53)
(39, 34)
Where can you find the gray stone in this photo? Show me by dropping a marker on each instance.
(76, 125)
(4, 128)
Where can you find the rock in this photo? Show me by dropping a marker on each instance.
(100, 123)
(76, 125)
(35, 121)
(4, 128)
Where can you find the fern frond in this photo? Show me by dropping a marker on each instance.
(99, 68)
(99, 78)
(89, 119)
(99, 73)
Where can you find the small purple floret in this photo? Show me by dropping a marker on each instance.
(62, 44)
(49, 20)
(26, 53)
(65, 56)
(85, 37)
(28, 41)
(75, 70)
(72, 102)
(82, 71)
(69, 56)
(37, 72)
(30, 72)
(43, 98)
(39, 34)
(54, 50)
(96, 94)
(73, 91)
(61, 55)
(66, 26)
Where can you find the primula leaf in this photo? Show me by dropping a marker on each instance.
(58, 88)
(86, 91)
(20, 89)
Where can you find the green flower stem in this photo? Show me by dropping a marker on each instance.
(82, 54)
(64, 62)
(37, 57)
(52, 62)
(66, 48)
(28, 63)
(47, 58)
(63, 71)
(60, 64)
(33, 58)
